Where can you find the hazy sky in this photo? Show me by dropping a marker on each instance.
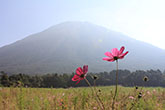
(141, 19)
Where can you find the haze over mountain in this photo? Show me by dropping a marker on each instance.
(64, 47)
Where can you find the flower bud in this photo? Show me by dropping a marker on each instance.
(140, 95)
(145, 79)
(136, 87)
(95, 77)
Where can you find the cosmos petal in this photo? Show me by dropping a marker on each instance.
(79, 71)
(121, 50)
(109, 54)
(85, 69)
(122, 55)
(115, 52)
(75, 78)
(78, 81)
(109, 59)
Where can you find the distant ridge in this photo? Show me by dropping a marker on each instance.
(64, 47)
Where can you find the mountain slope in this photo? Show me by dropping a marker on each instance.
(64, 47)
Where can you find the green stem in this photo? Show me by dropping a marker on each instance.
(137, 99)
(114, 98)
(98, 95)
(93, 92)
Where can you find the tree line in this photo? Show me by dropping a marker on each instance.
(54, 80)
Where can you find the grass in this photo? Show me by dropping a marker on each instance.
(81, 98)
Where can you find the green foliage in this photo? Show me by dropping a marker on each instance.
(79, 98)
(54, 80)
(4, 79)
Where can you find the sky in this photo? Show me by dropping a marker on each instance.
(140, 19)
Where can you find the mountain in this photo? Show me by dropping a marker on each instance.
(64, 47)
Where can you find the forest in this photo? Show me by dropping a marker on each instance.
(155, 78)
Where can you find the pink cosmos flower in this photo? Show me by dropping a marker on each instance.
(131, 97)
(148, 92)
(80, 74)
(115, 54)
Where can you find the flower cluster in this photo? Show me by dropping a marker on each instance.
(115, 54)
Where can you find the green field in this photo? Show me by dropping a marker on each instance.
(81, 98)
